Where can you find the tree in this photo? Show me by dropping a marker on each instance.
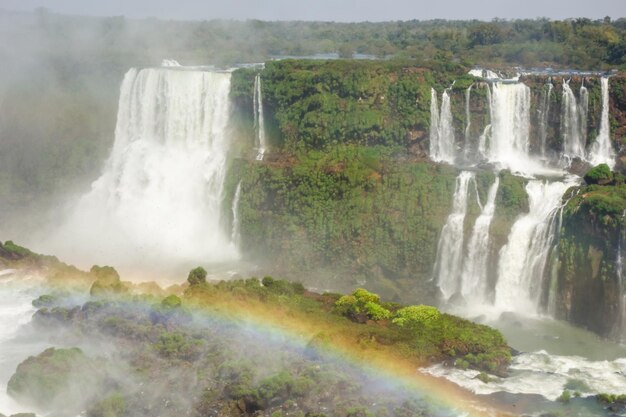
(197, 276)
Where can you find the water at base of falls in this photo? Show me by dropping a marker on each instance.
(160, 196)
(16, 291)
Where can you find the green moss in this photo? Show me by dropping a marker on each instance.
(600, 174)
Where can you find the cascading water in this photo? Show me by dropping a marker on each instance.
(259, 119)
(468, 122)
(474, 274)
(510, 124)
(574, 138)
(450, 247)
(523, 259)
(441, 129)
(235, 235)
(161, 192)
(601, 151)
(544, 117)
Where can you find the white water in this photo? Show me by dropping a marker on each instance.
(572, 115)
(509, 144)
(544, 374)
(475, 265)
(159, 198)
(442, 142)
(468, 122)
(544, 118)
(16, 291)
(235, 236)
(523, 259)
(602, 151)
(259, 119)
(450, 247)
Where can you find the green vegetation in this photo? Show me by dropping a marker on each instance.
(601, 174)
(48, 379)
(197, 276)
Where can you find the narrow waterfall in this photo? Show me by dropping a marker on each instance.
(450, 247)
(441, 129)
(544, 117)
(571, 123)
(483, 140)
(510, 125)
(468, 123)
(474, 274)
(523, 259)
(602, 150)
(583, 112)
(160, 195)
(259, 119)
(235, 234)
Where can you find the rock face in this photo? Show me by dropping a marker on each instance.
(590, 291)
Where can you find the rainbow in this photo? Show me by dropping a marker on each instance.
(270, 322)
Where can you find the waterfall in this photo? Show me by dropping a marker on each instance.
(259, 119)
(235, 234)
(583, 112)
(510, 125)
(441, 129)
(160, 195)
(523, 259)
(450, 247)
(544, 117)
(468, 122)
(571, 123)
(602, 150)
(474, 274)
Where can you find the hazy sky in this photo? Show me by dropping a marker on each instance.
(336, 10)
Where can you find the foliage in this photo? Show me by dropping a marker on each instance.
(197, 276)
(362, 301)
(417, 316)
(112, 406)
(48, 378)
(600, 174)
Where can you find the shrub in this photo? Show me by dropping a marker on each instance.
(600, 174)
(417, 316)
(376, 311)
(171, 302)
(565, 397)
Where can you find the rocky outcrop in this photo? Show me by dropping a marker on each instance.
(590, 291)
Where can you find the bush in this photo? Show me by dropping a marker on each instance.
(376, 311)
(362, 301)
(600, 174)
(417, 316)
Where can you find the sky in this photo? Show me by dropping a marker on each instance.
(329, 10)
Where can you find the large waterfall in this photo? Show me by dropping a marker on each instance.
(441, 129)
(160, 195)
(259, 119)
(475, 265)
(523, 259)
(450, 247)
(601, 150)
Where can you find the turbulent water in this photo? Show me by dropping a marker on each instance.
(17, 291)
(450, 247)
(161, 192)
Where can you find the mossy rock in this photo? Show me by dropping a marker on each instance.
(51, 378)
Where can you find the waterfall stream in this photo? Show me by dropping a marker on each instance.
(259, 119)
(602, 151)
(160, 195)
(441, 129)
(474, 273)
(450, 247)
